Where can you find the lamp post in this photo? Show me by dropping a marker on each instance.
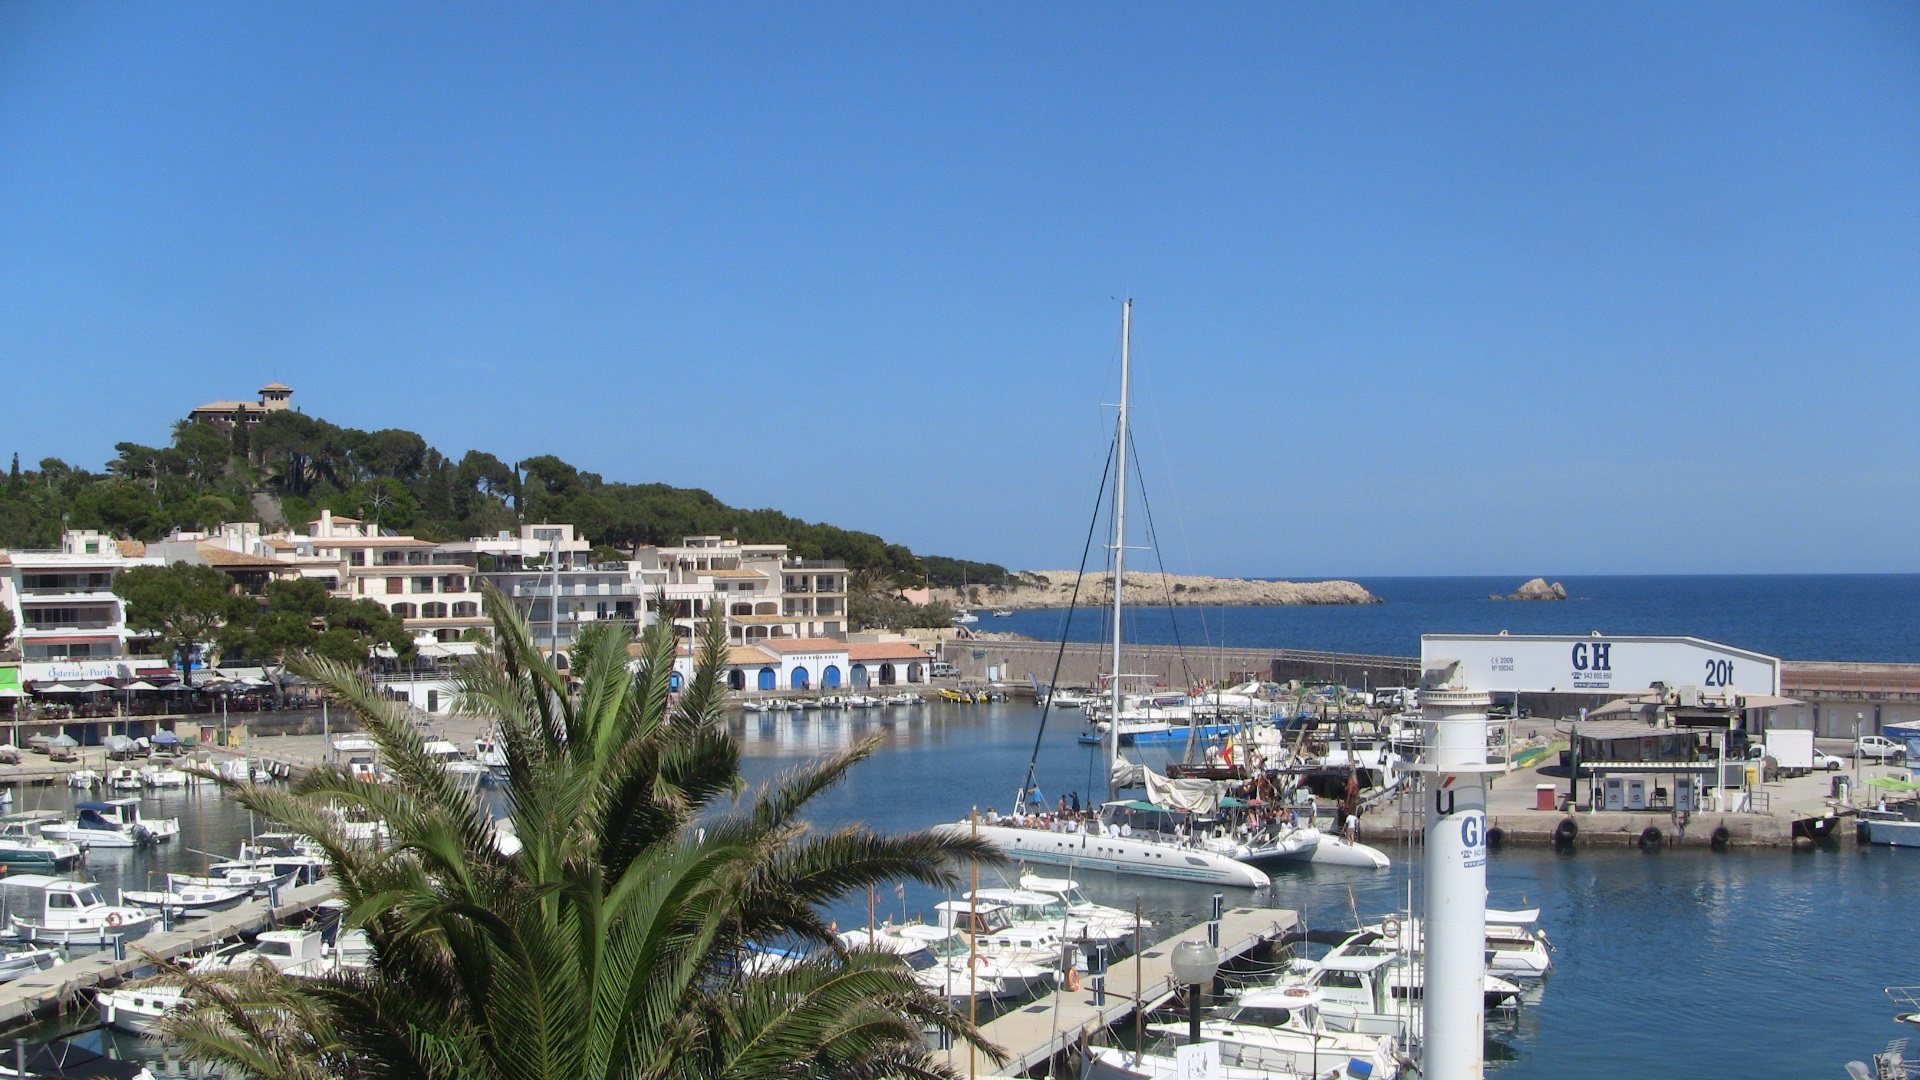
(1858, 719)
(1194, 963)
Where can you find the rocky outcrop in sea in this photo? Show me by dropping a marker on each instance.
(1537, 589)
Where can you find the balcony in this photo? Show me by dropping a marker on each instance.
(68, 626)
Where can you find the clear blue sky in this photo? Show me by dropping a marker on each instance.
(1510, 289)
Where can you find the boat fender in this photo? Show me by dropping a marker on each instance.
(1720, 837)
(1390, 928)
(1496, 836)
(113, 919)
(1650, 838)
(1565, 833)
(1861, 834)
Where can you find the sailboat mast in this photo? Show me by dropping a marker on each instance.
(1119, 537)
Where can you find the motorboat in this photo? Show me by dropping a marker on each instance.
(115, 823)
(1045, 911)
(1160, 1063)
(124, 778)
(17, 962)
(963, 617)
(21, 844)
(1516, 947)
(138, 1010)
(1067, 891)
(945, 975)
(163, 776)
(83, 779)
(1279, 1029)
(1898, 826)
(186, 896)
(1373, 985)
(64, 912)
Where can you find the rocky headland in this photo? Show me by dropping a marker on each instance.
(1054, 589)
(1537, 589)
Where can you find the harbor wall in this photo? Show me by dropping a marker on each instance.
(1082, 664)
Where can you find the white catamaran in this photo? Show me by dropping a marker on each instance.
(1103, 843)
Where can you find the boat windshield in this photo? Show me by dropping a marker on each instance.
(953, 946)
(89, 897)
(1263, 1017)
(920, 960)
(1044, 912)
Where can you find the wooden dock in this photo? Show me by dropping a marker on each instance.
(52, 990)
(1033, 1033)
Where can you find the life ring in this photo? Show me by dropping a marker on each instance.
(113, 918)
(1073, 980)
(1297, 992)
(1390, 928)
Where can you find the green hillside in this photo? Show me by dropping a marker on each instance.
(203, 477)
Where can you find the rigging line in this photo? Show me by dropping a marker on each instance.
(1099, 498)
(1180, 520)
(1153, 539)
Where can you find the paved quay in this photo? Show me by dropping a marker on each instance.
(55, 990)
(1038, 1030)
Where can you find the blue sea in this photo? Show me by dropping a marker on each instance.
(1795, 617)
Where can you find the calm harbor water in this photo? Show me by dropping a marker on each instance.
(1796, 617)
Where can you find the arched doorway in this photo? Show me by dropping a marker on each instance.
(859, 674)
(768, 680)
(830, 678)
(800, 679)
(736, 679)
(887, 674)
(913, 673)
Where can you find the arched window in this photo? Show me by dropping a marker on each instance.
(766, 608)
(830, 678)
(433, 609)
(405, 611)
(736, 679)
(800, 679)
(859, 674)
(466, 609)
(768, 680)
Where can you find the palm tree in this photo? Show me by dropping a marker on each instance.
(615, 943)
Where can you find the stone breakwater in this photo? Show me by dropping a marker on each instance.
(1054, 589)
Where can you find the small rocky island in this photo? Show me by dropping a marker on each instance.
(1537, 589)
(1054, 589)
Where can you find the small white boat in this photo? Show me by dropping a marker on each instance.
(83, 779)
(22, 845)
(123, 779)
(964, 617)
(1280, 1031)
(138, 1010)
(63, 912)
(113, 823)
(162, 776)
(186, 896)
(18, 962)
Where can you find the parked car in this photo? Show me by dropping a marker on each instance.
(941, 670)
(1824, 760)
(1879, 747)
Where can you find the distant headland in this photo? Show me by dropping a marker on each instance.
(1055, 588)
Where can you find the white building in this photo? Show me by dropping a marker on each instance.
(434, 593)
(69, 625)
(548, 572)
(761, 591)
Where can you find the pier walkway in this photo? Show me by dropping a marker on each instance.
(1033, 1033)
(54, 989)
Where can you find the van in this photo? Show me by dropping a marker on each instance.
(943, 670)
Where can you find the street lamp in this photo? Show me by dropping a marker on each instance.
(1194, 963)
(1858, 719)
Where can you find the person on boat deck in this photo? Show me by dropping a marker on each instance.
(1126, 828)
(1073, 798)
(993, 816)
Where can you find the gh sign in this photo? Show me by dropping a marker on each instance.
(1586, 664)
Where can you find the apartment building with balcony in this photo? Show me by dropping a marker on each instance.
(547, 570)
(435, 593)
(69, 625)
(752, 586)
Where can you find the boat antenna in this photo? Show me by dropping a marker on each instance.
(1119, 536)
(1073, 602)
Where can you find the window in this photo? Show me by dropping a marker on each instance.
(59, 900)
(356, 558)
(404, 611)
(466, 609)
(396, 586)
(423, 584)
(433, 610)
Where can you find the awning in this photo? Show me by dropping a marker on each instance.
(1893, 783)
(1623, 706)
(55, 688)
(140, 684)
(94, 688)
(74, 639)
(1767, 701)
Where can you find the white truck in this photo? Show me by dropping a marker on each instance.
(1791, 751)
